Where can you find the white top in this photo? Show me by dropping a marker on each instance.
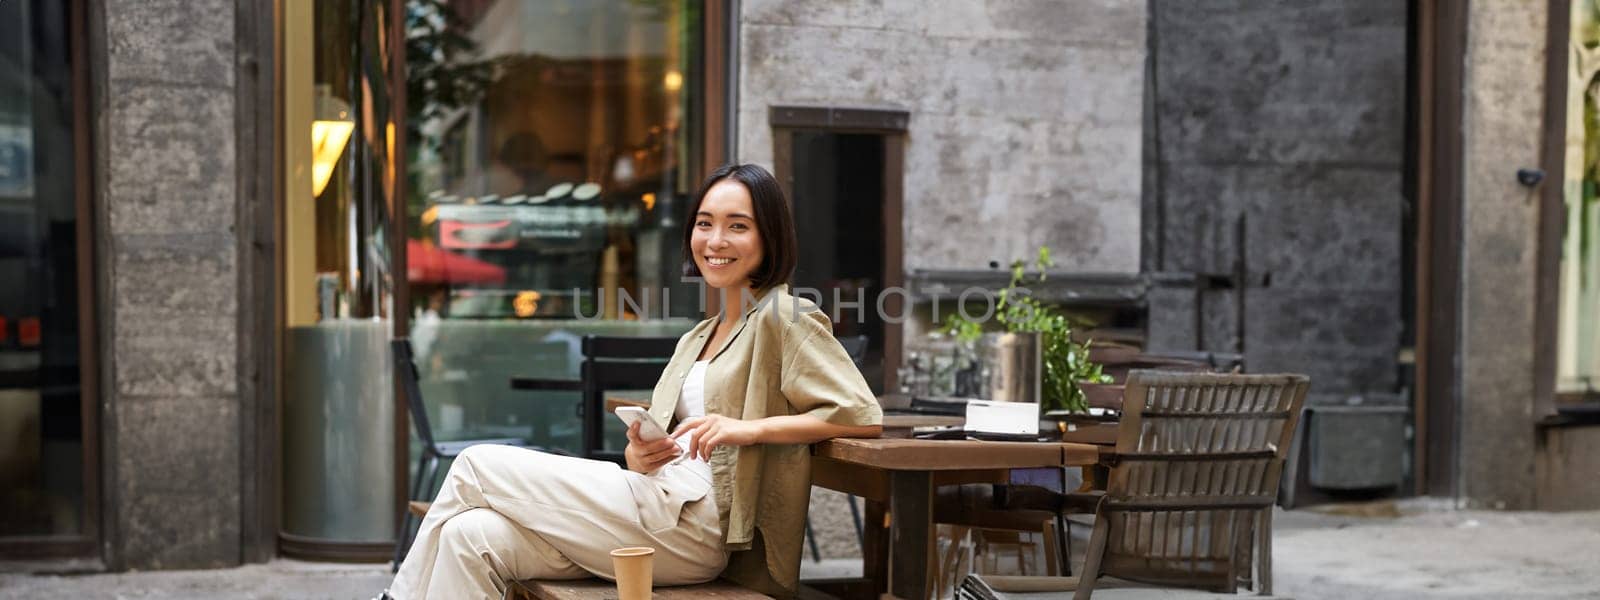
(692, 403)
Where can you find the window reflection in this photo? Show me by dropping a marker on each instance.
(337, 386)
(41, 418)
(1578, 338)
(560, 174)
(550, 159)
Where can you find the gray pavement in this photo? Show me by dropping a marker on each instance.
(1382, 551)
(277, 580)
(1420, 552)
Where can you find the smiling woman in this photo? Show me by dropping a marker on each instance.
(742, 215)
(726, 495)
(724, 244)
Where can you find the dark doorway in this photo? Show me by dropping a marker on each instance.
(838, 197)
(1433, 232)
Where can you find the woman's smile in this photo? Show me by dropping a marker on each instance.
(726, 244)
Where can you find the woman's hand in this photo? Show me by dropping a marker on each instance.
(711, 431)
(645, 457)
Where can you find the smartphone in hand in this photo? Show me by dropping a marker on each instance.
(649, 431)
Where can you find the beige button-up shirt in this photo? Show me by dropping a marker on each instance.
(781, 359)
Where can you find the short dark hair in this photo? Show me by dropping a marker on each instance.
(773, 221)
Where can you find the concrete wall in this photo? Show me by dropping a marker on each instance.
(1503, 104)
(1025, 116)
(1290, 117)
(164, 163)
(1025, 126)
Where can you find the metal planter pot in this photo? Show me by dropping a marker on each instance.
(1015, 366)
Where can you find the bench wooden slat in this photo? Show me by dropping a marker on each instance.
(597, 589)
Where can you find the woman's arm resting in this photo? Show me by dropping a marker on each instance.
(806, 429)
(716, 430)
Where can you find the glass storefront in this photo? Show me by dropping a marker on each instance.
(550, 147)
(339, 409)
(41, 406)
(1578, 343)
(553, 145)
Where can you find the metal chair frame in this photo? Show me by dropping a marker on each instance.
(433, 451)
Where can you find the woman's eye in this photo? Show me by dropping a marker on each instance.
(702, 223)
(739, 226)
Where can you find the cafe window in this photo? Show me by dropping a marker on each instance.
(43, 474)
(553, 146)
(339, 119)
(1578, 341)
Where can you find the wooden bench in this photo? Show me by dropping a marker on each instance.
(600, 589)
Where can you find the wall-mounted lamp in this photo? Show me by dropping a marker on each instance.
(1530, 177)
(330, 132)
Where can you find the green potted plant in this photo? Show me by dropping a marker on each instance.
(1064, 362)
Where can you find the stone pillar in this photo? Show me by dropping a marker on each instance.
(167, 252)
(1502, 128)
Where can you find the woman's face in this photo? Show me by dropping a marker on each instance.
(726, 245)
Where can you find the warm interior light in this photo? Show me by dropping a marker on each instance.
(328, 139)
(525, 304)
(649, 200)
(673, 81)
(330, 132)
(389, 159)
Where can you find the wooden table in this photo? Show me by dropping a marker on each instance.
(900, 475)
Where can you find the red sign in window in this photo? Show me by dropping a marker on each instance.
(5, 332)
(28, 331)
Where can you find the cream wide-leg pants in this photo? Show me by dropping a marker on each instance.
(508, 513)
